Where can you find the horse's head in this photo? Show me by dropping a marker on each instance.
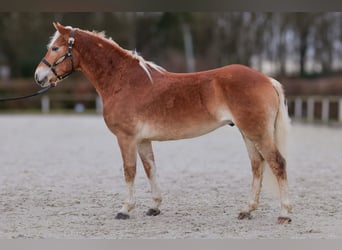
(60, 60)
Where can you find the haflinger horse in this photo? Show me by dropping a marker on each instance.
(142, 102)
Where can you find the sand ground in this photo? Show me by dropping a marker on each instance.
(61, 177)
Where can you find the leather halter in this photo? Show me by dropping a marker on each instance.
(52, 67)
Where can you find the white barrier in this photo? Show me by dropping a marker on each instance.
(46, 100)
(307, 112)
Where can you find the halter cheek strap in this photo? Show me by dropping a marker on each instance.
(52, 67)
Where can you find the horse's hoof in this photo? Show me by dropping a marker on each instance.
(244, 215)
(153, 212)
(284, 220)
(122, 216)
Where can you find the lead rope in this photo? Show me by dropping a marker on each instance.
(42, 91)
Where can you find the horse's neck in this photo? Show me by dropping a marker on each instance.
(103, 64)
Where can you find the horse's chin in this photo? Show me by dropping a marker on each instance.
(52, 83)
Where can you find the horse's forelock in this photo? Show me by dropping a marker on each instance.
(53, 39)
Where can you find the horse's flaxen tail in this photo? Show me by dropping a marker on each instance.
(282, 123)
(281, 128)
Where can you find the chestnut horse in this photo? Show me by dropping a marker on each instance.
(143, 102)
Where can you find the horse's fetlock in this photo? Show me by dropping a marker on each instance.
(288, 207)
(129, 205)
(157, 200)
(253, 205)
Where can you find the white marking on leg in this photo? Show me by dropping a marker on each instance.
(285, 205)
(156, 194)
(257, 164)
(254, 200)
(129, 203)
(146, 155)
(254, 195)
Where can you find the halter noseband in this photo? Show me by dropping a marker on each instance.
(52, 67)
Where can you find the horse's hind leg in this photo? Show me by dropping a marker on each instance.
(277, 164)
(147, 158)
(257, 164)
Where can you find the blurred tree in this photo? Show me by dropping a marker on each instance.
(327, 41)
(302, 24)
(280, 43)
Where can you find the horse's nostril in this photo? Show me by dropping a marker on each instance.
(40, 82)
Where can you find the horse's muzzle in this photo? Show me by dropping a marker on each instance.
(38, 81)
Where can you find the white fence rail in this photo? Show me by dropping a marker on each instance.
(316, 108)
(46, 100)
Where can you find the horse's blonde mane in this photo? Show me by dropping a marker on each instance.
(145, 65)
(134, 54)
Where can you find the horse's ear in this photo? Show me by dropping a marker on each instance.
(60, 28)
(55, 25)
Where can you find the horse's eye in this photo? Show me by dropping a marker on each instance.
(54, 48)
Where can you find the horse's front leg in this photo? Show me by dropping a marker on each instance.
(128, 149)
(147, 158)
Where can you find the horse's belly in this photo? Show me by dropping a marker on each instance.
(183, 122)
(169, 131)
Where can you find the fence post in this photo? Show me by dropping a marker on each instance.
(340, 110)
(98, 104)
(45, 104)
(311, 108)
(325, 109)
(298, 108)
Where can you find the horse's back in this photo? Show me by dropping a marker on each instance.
(232, 72)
